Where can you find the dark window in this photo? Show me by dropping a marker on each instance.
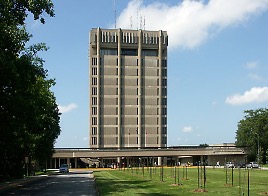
(164, 82)
(164, 101)
(105, 51)
(94, 110)
(94, 71)
(147, 52)
(164, 121)
(129, 52)
(94, 91)
(164, 73)
(94, 101)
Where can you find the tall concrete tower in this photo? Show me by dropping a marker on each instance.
(128, 88)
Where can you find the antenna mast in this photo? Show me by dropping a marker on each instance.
(137, 19)
(141, 21)
(114, 14)
(144, 23)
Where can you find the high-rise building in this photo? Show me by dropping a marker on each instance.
(128, 88)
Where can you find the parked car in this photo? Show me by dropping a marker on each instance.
(230, 165)
(64, 168)
(252, 165)
(241, 165)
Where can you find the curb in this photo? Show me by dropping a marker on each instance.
(94, 183)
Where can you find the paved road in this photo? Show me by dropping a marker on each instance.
(72, 183)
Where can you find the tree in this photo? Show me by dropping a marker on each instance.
(29, 115)
(253, 132)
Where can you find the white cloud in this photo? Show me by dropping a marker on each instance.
(254, 95)
(68, 108)
(255, 77)
(189, 23)
(187, 129)
(252, 65)
(214, 103)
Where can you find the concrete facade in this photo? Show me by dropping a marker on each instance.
(171, 156)
(128, 88)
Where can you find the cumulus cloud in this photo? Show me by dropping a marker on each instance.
(189, 23)
(252, 65)
(67, 108)
(254, 95)
(187, 129)
(255, 77)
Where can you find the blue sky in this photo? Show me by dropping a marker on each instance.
(217, 62)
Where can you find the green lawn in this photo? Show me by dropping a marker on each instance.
(136, 182)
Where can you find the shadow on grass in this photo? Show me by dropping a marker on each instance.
(129, 187)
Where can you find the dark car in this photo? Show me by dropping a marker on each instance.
(241, 165)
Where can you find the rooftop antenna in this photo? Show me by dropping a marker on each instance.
(144, 23)
(130, 22)
(137, 19)
(114, 14)
(141, 20)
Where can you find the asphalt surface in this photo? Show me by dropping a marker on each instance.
(72, 183)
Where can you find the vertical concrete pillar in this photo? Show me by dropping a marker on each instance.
(160, 89)
(127, 162)
(75, 162)
(164, 160)
(59, 162)
(139, 131)
(176, 160)
(68, 162)
(102, 164)
(159, 161)
(119, 62)
(98, 90)
(119, 161)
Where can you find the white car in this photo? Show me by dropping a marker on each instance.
(230, 165)
(64, 168)
(252, 165)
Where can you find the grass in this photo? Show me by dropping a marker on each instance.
(134, 182)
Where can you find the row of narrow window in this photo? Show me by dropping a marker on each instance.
(94, 91)
(94, 111)
(94, 82)
(94, 121)
(94, 140)
(145, 52)
(130, 38)
(94, 72)
(94, 131)
(94, 101)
